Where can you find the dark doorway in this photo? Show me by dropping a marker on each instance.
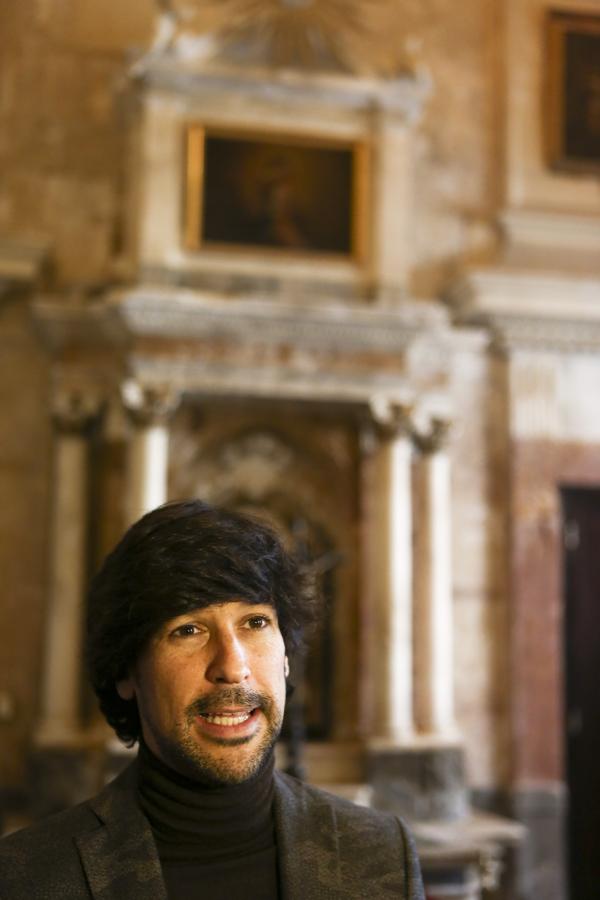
(581, 517)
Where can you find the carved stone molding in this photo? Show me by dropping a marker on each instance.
(271, 381)
(63, 324)
(148, 405)
(520, 333)
(402, 97)
(193, 314)
(531, 309)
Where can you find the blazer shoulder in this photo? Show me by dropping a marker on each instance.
(50, 832)
(347, 845)
(43, 860)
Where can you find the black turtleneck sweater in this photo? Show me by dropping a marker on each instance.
(215, 842)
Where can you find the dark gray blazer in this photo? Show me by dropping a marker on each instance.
(328, 849)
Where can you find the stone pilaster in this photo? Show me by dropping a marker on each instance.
(148, 409)
(433, 640)
(73, 412)
(392, 573)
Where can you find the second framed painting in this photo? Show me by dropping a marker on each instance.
(573, 91)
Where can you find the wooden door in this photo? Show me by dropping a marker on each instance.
(581, 511)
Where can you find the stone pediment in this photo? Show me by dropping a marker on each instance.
(334, 37)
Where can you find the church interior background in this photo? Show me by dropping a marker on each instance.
(336, 262)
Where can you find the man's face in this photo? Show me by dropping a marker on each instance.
(210, 690)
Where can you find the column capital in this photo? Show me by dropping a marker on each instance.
(433, 439)
(391, 419)
(148, 405)
(74, 408)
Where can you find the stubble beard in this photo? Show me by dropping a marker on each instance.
(191, 755)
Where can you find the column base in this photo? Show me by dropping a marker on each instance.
(420, 783)
(541, 865)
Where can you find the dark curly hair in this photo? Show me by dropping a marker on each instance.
(177, 558)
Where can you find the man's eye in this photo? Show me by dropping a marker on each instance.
(258, 622)
(186, 630)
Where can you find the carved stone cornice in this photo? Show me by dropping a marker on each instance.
(520, 333)
(277, 381)
(82, 324)
(172, 313)
(402, 97)
(266, 348)
(531, 309)
(148, 405)
(184, 314)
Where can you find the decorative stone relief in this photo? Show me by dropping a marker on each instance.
(148, 404)
(73, 409)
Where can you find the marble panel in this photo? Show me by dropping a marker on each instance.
(539, 468)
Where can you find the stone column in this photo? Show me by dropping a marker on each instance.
(149, 409)
(61, 680)
(392, 573)
(434, 675)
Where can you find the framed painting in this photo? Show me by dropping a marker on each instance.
(573, 91)
(279, 193)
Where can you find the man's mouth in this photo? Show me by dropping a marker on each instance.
(228, 718)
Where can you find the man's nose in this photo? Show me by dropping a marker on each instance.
(229, 663)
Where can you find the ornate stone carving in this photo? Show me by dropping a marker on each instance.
(148, 404)
(73, 409)
(194, 314)
(328, 35)
(434, 438)
(391, 419)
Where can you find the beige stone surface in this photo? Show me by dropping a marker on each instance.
(480, 555)
(62, 149)
(24, 488)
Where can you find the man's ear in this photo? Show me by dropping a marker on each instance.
(286, 667)
(126, 688)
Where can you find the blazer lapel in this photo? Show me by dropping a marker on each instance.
(307, 848)
(119, 857)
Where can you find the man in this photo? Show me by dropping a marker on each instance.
(190, 623)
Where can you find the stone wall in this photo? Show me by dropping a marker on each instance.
(25, 450)
(62, 68)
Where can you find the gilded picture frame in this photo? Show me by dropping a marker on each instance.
(275, 193)
(572, 97)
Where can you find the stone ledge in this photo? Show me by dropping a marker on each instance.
(528, 309)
